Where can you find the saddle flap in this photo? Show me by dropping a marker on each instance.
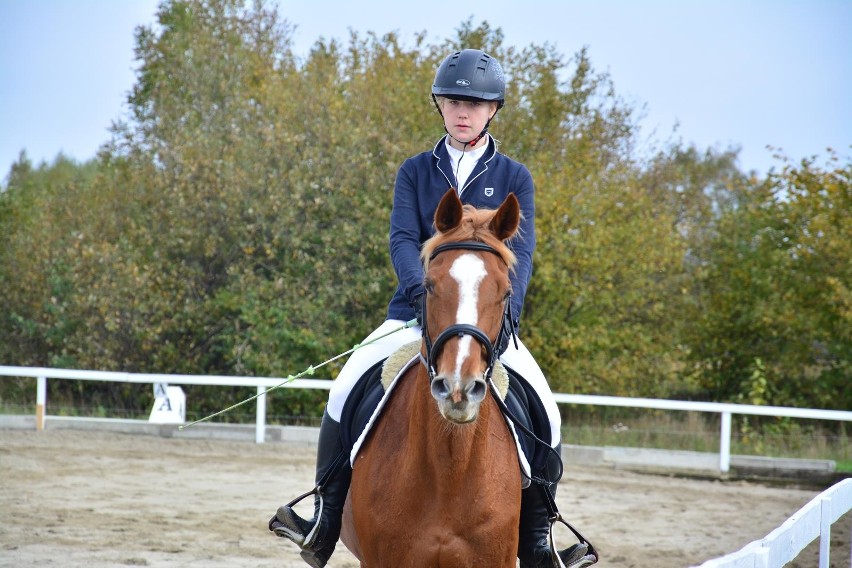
(360, 405)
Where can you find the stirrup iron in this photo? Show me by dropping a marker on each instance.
(581, 555)
(289, 527)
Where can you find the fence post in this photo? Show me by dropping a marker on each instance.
(824, 531)
(260, 429)
(41, 402)
(761, 557)
(725, 443)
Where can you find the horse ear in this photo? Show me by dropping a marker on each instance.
(448, 215)
(507, 218)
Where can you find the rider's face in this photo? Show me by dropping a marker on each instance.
(464, 120)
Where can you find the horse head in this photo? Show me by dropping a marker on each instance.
(467, 266)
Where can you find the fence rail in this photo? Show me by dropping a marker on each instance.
(726, 411)
(785, 543)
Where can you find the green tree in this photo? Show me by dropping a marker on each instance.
(773, 295)
(40, 212)
(608, 254)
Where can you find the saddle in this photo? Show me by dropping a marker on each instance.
(518, 401)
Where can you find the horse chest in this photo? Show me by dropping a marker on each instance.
(436, 499)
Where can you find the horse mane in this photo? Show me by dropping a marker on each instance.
(474, 226)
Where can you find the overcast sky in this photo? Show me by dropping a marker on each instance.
(747, 73)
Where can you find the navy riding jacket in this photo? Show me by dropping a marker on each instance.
(421, 182)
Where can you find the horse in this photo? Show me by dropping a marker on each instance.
(437, 483)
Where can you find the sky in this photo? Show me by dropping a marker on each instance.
(713, 73)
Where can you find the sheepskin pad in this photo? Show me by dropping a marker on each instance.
(403, 356)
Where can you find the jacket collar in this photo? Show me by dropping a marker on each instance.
(444, 163)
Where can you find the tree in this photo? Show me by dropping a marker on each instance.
(773, 298)
(608, 254)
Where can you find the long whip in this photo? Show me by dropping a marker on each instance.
(309, 371)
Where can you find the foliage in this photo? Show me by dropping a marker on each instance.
(236, 223)
(772, 295)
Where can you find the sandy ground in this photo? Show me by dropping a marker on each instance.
(84, 499)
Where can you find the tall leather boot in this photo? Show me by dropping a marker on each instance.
(535, 549)
(318, 537)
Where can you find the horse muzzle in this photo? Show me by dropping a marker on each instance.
(458, 400)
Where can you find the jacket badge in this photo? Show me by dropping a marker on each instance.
(489, 191)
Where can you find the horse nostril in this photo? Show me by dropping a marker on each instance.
(476, 390)
(440, 389)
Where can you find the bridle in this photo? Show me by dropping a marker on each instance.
(492, 350)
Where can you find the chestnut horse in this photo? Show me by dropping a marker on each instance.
(437, 483)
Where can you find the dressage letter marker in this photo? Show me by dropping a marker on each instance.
(169, 405)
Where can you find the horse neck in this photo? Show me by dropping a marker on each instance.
(447, 445)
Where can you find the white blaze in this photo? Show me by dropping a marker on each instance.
(468, 270)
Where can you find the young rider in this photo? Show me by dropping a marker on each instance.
(468, 90)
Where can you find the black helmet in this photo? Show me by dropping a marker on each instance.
(470, 74)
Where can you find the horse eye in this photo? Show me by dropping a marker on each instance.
(429, 286)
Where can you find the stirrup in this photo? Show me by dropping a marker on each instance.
(577, 556)
(292, 526)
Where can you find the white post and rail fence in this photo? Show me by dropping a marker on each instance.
(778, 548)
(784, 544)
(42, 374)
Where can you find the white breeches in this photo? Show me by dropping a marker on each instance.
(520, 360)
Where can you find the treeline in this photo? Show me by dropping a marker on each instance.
(236, 223)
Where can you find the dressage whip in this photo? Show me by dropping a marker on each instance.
(309, 371)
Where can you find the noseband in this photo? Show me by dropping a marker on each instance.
(462, 329)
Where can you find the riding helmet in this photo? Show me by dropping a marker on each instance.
(470, 74)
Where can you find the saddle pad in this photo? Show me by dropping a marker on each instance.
(399, 361)
(370, 395)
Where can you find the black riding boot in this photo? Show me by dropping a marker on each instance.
(534, 546)
(318, 537)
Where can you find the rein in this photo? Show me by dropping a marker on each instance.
(492, 350)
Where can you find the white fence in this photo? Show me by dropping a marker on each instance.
(785, 543)
(41, 374)
(263, 384)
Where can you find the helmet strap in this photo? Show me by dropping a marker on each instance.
(481, 134)
(484, 130)
(437, 106)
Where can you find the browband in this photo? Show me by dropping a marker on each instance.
(464, 245)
